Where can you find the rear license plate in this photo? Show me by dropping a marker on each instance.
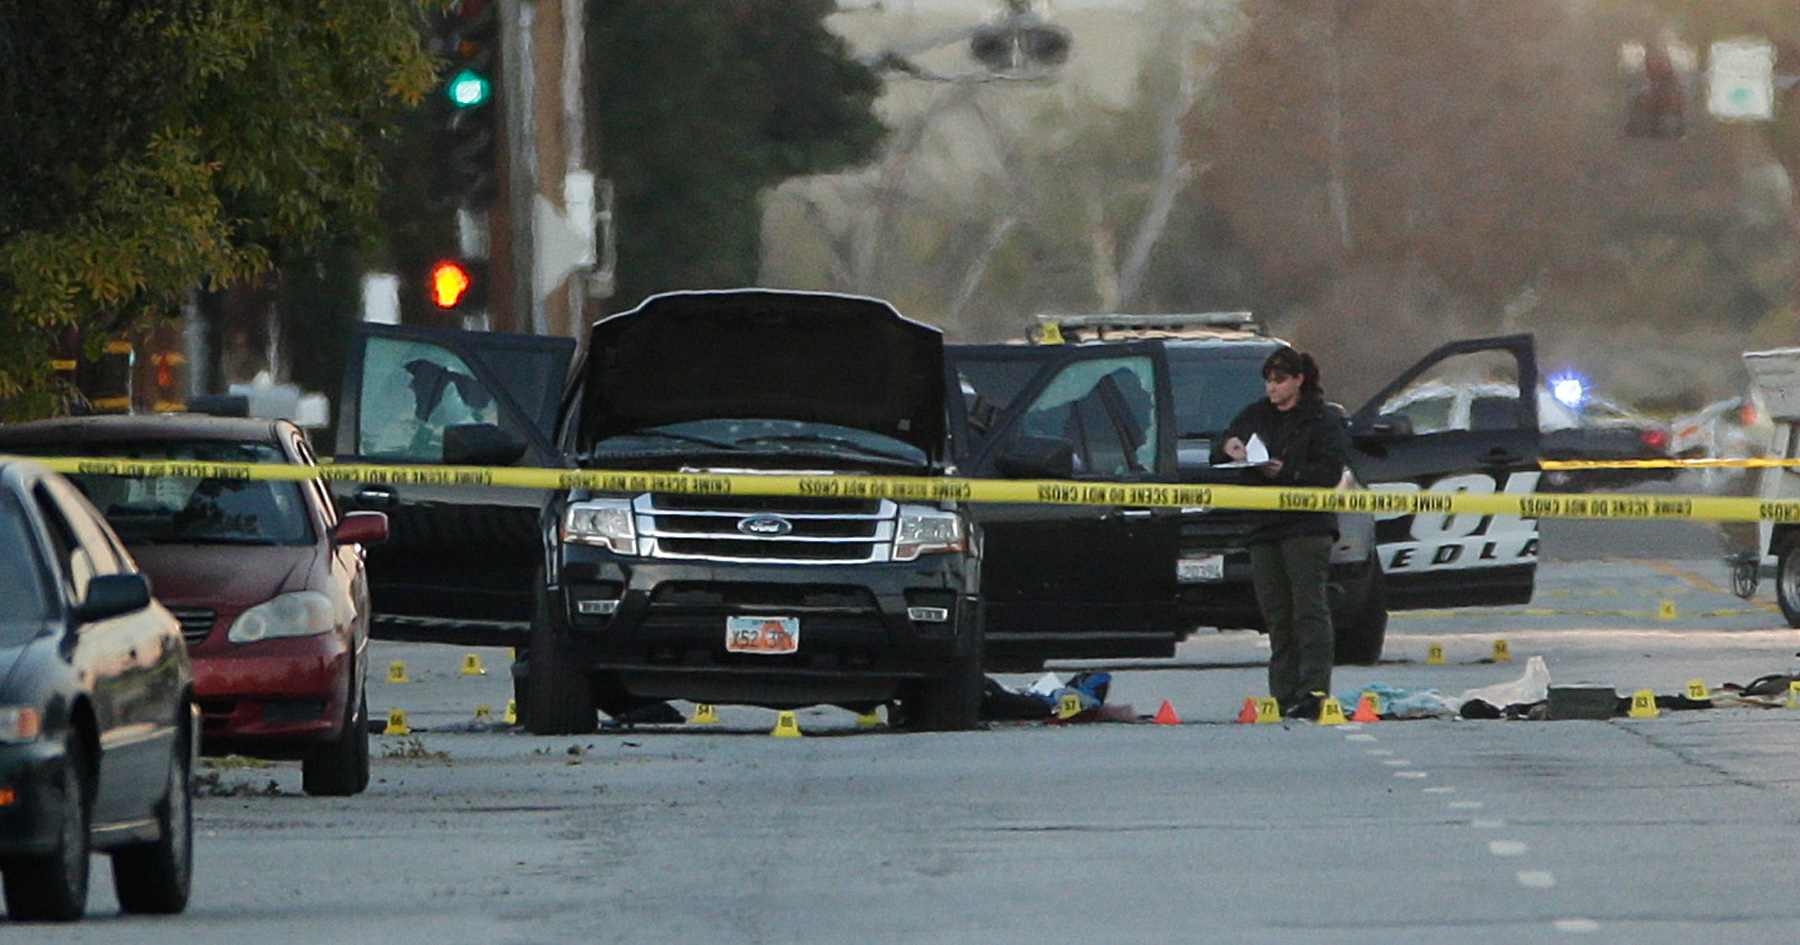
(770, 635)
(1203, 568)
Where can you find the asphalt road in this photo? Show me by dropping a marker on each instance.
(1665, 829)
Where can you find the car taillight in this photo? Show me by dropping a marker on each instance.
(1657, 439)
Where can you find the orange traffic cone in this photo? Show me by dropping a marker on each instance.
(1365, 709)
(1249, 713)
(1166, 715)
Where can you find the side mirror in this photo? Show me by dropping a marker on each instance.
(109, 595)
(1387, 428)
(361, 528)
(481, 444)
(1037, 457)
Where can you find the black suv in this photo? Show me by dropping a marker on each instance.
(1379, 563)
(624, 595)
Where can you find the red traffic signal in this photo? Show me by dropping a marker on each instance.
(457, 285)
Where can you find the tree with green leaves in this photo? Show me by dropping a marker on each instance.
(703, 104)
(159, 146)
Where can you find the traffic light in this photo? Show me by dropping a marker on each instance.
(467, 115)
(457, 285)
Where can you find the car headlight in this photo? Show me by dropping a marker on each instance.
(20, 723)
(924, 530)
(606, 522)
(297, 614)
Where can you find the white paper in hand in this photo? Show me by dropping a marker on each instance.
(1256, 453)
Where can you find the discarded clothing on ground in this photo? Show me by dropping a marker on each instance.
(1043, 699)
(1496, 701)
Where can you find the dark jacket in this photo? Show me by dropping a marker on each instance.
(1312, 440)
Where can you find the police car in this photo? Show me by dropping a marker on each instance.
(1381, 562)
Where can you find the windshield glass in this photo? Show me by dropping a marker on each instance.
(26, 601)
(760, 436)
(1211, 388)
(180, 510)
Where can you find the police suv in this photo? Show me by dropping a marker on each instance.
(1381, 562)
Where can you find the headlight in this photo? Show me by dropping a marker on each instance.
(605, 522)
(923, 530)
(20, 723)
(299, 614)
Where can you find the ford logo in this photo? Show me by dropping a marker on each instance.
(766, 526)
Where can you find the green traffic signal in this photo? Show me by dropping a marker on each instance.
(468, 89)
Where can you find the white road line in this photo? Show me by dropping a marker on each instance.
(1537, 879)
(1487, 823)
(1411, 774)
(1465, 805)
(1577, 926)
(1440, 789)
(1507, 848)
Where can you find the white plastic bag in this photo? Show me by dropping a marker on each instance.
(1534, 686)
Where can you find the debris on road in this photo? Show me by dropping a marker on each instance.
(1049, 699)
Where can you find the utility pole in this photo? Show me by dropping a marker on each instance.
(510, 161)
(554, 207)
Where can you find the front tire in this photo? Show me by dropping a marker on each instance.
(949, 700)
(1787, 577)
(559, 695)
(340, 767)
(155, 878)
(54, 887)
(1362, 630)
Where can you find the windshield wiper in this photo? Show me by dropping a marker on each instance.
(213, 540)
(821, 439)
(668, 435)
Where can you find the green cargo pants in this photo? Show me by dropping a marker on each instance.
(1290, 578)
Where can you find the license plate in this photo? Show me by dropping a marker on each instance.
(770, 635)
(1203, 568)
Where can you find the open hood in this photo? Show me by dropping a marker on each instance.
(803, 356)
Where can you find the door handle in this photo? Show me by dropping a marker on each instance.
(1130, 514)
(1502, 457)
(377, 495)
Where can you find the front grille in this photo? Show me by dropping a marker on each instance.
(798, 505)
(196, 622)
(785, 598)
(780, 529)
(707, 525)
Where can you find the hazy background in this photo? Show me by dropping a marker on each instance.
(1370, 178)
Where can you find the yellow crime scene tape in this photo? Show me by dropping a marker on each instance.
(926, 489)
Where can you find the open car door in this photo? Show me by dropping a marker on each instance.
(1070, 581)
(460, 562)
(1464, 419)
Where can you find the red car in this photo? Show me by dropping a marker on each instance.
(267, 580)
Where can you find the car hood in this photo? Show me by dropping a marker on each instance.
(223, 577)
(811, 357)
(16, 639)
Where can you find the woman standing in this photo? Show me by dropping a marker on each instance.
(1290, 552)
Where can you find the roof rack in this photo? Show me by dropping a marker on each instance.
(1165, 324)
